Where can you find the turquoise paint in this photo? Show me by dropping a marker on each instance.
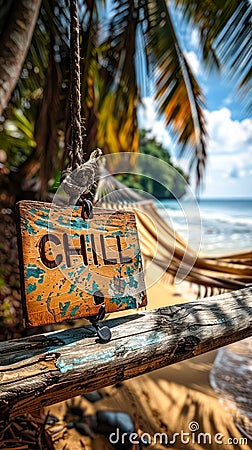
(109, 354)
(44, 216)
(39, 297)
(80, 270)
(31, 270)
(32, 211)
(70, 274)
(89, 277)
(72, 287)
(138, 260)
(106, 354)
(45, 224)
(63, 308)
(130, 274)
(64, 367)
(117, 233)
(28, 227)
(45, 210)
(31, 287)
(74, 310)
(129, 271)
(128, 300)
(102, 228)
(95, 286)
(88, 238)
(76, 223)
(64, 222)
(132, 282)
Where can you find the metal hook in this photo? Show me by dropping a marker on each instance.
(87, 209)
(103, 331)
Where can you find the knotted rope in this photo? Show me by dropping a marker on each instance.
(76, 155)
(78, 178)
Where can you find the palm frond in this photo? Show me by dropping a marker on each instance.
(16, 137)
(15, 41)
(226, 37)
(178, 94)
(119, 93)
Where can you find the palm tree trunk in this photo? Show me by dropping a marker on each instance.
(15, 42)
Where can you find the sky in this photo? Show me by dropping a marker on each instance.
(229, 126)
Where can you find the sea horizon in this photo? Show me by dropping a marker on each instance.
(225, 225)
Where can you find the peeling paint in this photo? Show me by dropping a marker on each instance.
(72, 287)
(74, 310)
(31, 287)
(32, 270)
(128, 301)
(28, 227)
(45, 224)
(63, 308)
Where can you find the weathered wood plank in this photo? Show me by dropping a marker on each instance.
(48, 368)
(70, 264)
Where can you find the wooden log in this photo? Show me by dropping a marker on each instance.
(48, 368)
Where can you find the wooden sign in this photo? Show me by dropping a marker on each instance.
(71, 265)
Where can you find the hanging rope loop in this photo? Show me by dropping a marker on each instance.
(76, 158)
(79, 177)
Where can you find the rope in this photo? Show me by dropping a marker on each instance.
(75, 153)
(78, 178)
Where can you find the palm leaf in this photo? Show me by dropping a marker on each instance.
(15, 41)
(178, 94)
(226, 36)
(119, 93)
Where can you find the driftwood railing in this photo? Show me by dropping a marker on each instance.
(48, 368)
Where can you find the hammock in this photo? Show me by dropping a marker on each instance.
(167, 250)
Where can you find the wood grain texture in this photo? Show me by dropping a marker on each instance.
(70, 265)
(48, 368)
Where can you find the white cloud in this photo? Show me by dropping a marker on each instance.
(229, 156)
(229, 165)
(227, 135)
(195, 39)
(194, 62)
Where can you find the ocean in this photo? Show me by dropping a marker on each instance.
(214, 226)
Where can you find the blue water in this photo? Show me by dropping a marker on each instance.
(217, 226)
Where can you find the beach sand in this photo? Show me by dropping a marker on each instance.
(164, 401)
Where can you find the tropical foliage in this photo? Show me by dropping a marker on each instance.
(120, 48)
(171, 182)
